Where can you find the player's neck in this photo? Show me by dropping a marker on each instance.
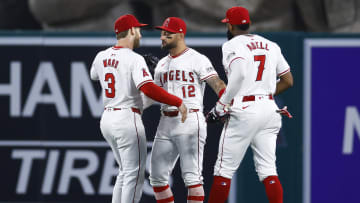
(240, 32)
(178, 49)
(125, 43)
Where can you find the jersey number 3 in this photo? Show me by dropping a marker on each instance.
(261, 67)
(110, 91)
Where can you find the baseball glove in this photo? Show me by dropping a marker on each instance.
(151, 62)
(213, 117)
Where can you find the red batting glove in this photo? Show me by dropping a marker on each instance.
(284, 112)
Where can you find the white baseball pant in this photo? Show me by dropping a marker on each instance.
(254, 123)
(124, 131)
(173, 140)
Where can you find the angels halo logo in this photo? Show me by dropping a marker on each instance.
(166, 23)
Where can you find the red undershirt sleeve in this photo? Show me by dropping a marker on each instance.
(159, 94)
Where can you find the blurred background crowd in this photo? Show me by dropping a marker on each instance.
(201, 15)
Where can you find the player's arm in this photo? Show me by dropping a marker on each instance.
(144, 82)
(159, 94)
(286, 81)
(147, 101)
(283, 72)
(207, 73)
(217, 85)
(237, 67)
(93, 73)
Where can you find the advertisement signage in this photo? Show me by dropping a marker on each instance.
(332, 121)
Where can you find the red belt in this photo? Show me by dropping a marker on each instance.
(135, 110)
(176, 113)
(252, 98)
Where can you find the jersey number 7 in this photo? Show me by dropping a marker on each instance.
(261, 67)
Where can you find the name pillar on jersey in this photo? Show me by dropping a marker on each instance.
(110, 63)
(257, 45)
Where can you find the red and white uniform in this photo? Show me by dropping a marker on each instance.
(184, 76)
(121, 73)
(252, 64)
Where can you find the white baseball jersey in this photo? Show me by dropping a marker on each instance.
(252, 64)
(184, 76)
(264, 62)
(121, 72)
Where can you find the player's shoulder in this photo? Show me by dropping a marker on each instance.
(196, 55)
(268, 41)
(226, 45)
(101, 53)
(130, 53)
(236, 43)
(164, 60)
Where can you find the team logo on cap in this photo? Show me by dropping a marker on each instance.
(166, 23)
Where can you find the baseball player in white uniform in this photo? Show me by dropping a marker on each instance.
(123, 74)
(252, 64)
(183, 73)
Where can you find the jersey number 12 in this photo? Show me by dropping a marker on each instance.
(190, 91)
(261, 67)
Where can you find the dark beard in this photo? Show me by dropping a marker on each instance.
(136, 43)
(229, 35)
(169, 46)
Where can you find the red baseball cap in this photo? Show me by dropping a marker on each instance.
(174, 25)
(237, 15)
(126, 22)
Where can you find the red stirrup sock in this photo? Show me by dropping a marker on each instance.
(274, 190)
(195, 194)
(163, 194)
(219, 190)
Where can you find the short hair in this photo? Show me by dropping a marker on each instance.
(242, 27)
(122, 34)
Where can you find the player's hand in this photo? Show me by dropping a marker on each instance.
(222, 109)
(284, 112)
(183, 111)
(219, 113)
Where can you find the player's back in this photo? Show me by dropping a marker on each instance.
(263, 59)
(114, 67)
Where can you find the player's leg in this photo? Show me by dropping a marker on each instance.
(196, 194)
(117, 190)
(264, 149)
(106, 127)
(191, 142)
(163, 158)
(164, 155)
(234, 141)
(131, 145)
